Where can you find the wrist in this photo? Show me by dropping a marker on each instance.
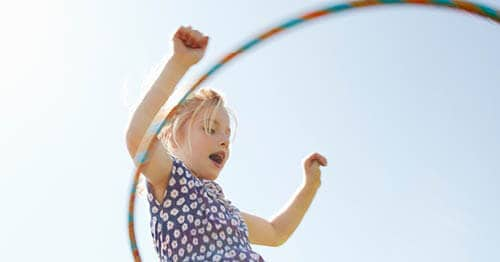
(313, 185)
(180, 62)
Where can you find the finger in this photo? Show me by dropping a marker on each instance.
(320, 158)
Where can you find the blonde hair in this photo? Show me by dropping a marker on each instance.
(207, 101)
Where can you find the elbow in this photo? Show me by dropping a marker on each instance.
(131, 144)
(279, 240)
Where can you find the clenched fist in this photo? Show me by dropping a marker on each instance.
(312, 172)
(189, 45)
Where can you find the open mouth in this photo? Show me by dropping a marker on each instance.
(217, 158)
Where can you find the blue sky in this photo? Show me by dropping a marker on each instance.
(402, 100)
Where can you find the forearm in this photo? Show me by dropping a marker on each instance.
(154, 99)
(288, 220)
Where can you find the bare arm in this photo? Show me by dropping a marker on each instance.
(189, 47)
(154, 99)
(277, 231)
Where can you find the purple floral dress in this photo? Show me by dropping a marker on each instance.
(196, 223)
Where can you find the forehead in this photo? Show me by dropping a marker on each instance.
(220, 116)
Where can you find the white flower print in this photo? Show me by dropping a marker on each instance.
(174, 193)
(217, 257)
(189, 248)
(170, 225)
(182, 181)
(150, 197)
(167, 203)
(213, 209)
(192, 196)
(180, 201)
(205, 239)
(177, 233)
(222, 235)
(193, 205)
(190, 218)
(184, 189)
(230, 254)
(181, 251)
(201, 231)
(209, 227)
(193, 232)
(197, 222)
(190, 184)
(229, 230)
(154, 210)
(164, 215)
(211, 247)
(184, 227)
(254, 256)
(158, 228)
(185, 208)
(174, 211)
(169, 252)
(195, 241)
(219, 243)
(180, 171)
(214, 236)
(184, 240)
(229, 241)
(180, 219)
(174, 244)
(203, 249)
(175, 257)
(242, 256)
(172, 182)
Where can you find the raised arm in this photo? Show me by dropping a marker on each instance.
(189, 47)
(281, 227)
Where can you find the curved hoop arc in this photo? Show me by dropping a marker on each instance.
(161, 117)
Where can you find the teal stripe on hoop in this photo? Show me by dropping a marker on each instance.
(155, 128)
(340, 7)
(292, 23)
(487, 10)
(141, 157)
(214, 68)
(444, 2)
(250, 44)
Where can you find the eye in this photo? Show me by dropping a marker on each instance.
(209, 130)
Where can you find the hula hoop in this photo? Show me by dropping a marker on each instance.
(161, 117)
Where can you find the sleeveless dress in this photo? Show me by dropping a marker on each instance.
(195, 222)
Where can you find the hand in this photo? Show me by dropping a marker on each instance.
(312, 172)
(189, 45)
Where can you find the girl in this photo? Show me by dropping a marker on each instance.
(191, 220)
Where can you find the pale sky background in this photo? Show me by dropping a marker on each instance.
(402, 100)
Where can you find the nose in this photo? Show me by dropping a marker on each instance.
(224, 142)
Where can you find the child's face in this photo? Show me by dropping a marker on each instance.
(209, 148)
